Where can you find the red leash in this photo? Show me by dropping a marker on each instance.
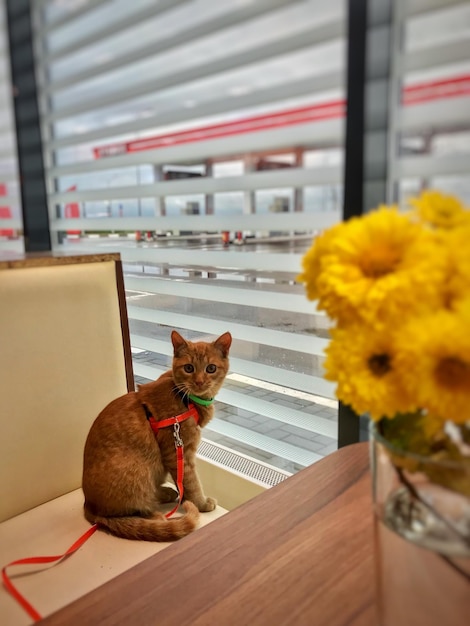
(36, 560)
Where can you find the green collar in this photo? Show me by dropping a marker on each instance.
(201, 401)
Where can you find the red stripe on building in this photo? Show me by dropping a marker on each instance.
(435, 90)
(300, 115)
(423, 92)
(72, 210)
(5, 213)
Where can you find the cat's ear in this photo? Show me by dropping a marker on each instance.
(177, 341)
(223, 343)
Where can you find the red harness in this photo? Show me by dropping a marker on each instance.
(175, 421)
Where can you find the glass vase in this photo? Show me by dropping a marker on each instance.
(422, 538)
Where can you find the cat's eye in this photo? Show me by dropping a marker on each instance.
(188, 368)
(210, 369)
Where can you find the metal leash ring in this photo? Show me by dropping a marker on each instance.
(176, 435)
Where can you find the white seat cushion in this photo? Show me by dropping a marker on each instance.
(50, 529)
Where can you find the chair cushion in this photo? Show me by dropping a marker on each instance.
(51, 528)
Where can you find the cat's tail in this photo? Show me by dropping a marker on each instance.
(156, 528)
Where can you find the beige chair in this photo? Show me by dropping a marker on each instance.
(64, 354)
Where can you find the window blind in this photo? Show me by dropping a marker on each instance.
(129, 94)
(188, 119)
(431, 123)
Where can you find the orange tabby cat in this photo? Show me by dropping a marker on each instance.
(126, 463)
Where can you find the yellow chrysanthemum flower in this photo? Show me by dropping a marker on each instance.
(457, 242)
(363, 363)
(377, 266)
(439, 210)
(313, 260)
(434, 352)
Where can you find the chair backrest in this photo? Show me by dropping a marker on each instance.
(64, 354)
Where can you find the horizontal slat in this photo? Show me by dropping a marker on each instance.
(261, 261)
(6, 125)
(229, 295)
(279, 376)
(8, 153)
(285, 378)
(12, 246)
(298, 342)
(107, 29)
(439, 115)
(309, 422)
(426, 166)
(320, 400)
(292, 177)
(70, 17)
(15, 223)
(9, 177)
(306, 86)
(262, 442)
(435, 56)
(201, 223)
(418, 7)
(281, 46)
(163, 43)
(10, 200)
(150, 372)
(317, 134)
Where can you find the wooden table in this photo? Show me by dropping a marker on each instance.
(301, 553)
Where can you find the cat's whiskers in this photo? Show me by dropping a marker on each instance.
(187, 390)
(184, 390)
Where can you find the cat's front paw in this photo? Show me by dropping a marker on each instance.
(208, 505)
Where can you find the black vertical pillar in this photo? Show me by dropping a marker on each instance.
(355, 122)
(369, 90)
(348, 421)
(27, 122)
